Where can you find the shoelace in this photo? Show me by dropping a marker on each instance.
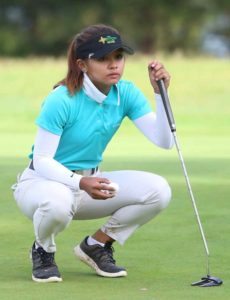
(46, 258)
(106, 253)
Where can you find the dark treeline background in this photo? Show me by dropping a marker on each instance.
(45, 27)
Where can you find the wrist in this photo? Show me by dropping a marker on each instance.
(77, 179)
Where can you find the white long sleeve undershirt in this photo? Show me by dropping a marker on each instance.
(45, 147)
(155, 126)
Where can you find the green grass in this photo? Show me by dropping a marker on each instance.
(165, 255)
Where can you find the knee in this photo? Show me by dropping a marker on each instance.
(164, 194)
(61, 214)
(57, 212)
(59, 206)
(160, 194)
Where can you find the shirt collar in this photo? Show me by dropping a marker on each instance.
(93, 92)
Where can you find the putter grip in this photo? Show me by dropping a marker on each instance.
(167, 105)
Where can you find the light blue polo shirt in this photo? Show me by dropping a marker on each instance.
(86, 126)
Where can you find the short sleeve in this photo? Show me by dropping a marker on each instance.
(54, 114)
(136, 103)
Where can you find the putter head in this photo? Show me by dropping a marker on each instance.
(208, 281)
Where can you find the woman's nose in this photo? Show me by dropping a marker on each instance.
(113, 64)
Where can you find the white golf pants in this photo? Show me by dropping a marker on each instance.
(52, 205)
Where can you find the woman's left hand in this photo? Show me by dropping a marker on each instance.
(157, 71)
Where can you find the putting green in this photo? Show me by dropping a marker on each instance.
(165, 256)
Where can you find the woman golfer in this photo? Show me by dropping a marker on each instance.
(63, 181)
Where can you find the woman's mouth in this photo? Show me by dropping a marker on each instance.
(114, 75)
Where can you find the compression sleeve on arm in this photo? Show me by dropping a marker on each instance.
(155, 126)
(45, 147)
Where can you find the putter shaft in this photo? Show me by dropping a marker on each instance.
(192, 198)
(172, 125)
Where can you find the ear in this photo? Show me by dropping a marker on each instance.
(82, 65)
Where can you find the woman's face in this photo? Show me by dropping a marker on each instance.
(106, 71)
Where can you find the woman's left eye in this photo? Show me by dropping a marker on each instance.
(119, 56)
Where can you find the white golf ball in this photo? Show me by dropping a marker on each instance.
(114, 185)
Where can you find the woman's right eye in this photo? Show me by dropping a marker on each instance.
(101, 59)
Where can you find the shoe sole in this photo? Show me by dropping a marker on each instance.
(87, 260)
(50, 279)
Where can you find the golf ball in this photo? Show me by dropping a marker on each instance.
(115, 186)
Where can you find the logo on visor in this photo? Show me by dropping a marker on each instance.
(107, 39)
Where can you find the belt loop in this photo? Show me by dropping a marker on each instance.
(31, 165)
(94, 170)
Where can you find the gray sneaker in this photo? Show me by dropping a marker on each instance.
(100, 259)
(44, 266)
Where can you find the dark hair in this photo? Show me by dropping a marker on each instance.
(74, 77)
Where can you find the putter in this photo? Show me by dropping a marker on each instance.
(206, 281)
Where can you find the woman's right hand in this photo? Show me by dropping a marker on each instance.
(97, 187)
(157, 71)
